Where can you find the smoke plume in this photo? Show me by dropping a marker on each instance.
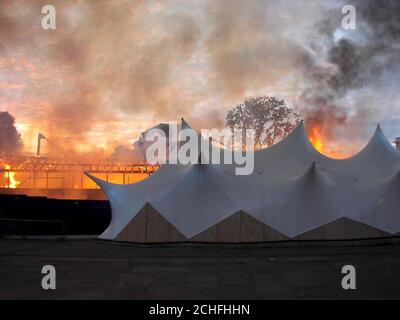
(341, 67)
(111, 70)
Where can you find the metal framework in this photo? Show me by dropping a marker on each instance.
(41, 167)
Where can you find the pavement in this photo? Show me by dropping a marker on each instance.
(94, 269)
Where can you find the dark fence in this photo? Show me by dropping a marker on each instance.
(26, 227)
(25, 215)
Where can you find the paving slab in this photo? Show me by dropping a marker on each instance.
(93, 269)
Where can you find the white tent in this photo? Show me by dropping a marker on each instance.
(294, 192)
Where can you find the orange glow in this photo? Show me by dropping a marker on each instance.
(324, 145)
(12, 182)
(316, 139)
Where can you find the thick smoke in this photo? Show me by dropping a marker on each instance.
(351, 62)
(10, 140)
(247, 46)
(105, 65)
(111, 70)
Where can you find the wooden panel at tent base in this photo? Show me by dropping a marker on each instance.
(270, 234)
(208, 235)
(135, 230)
(342, 229)
(228, 230)
(149, 226)
(251, 229)
(239, 228)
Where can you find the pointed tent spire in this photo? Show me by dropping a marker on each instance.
(378, 149)
(202, 159)
(201, 156)
(295, 143)
(311, 175)
(197, 202)
(302, 134)
(184, 124)
(104, 185)
(379, 138)
(299, 134)
(306, 200)
(109, 187)
(384, 212)
(312, 169)
(309, 144)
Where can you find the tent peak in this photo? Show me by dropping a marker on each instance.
(299, 129)
(296, 143)
(379, 148)
(100, 182)
(312, 168)
(379, 135)
(313, 175)
(200, 158)
(86, 173)
(184, 124)
(310, 171)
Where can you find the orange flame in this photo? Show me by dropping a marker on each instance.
(318, 140)
(12, 182)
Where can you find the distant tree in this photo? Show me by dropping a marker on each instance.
(10, 139)
(269, 117)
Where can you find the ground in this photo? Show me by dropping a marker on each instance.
(93, 269)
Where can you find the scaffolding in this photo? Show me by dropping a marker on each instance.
(41, 172)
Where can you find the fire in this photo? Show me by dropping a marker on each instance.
(12, 182)
(316, 139)
(319, 139)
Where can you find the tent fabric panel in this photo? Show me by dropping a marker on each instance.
(198, 202)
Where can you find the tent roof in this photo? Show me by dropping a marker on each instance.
(293, 188)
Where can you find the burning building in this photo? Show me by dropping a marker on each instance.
(62, 178)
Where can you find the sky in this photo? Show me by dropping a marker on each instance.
(112, 69)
